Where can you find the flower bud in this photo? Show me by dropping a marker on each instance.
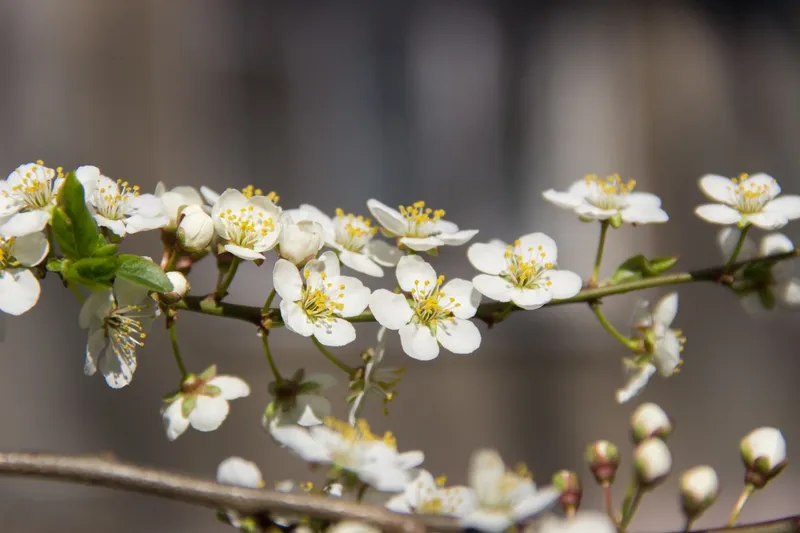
(764, 455)
(650, 420)
(195, 229)
(699, 489)
(299, 242)
(180, 286)
(652, 462)
(571, 491)
(603, 459)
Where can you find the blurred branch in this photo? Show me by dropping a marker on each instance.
(105, 472)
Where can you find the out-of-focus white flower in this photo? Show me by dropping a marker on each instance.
(764, 454)
(650, 420)
(175, 199)
(418, 227)
(27, 198)
(652, 461)
(602, 458)
(426, 495)
(524, 273)
(202, 402)
(180, 286)
(247, 222)
(118, 206)
(318, 302)
(241, 473)
(503, 498)
(195, 229)
(117, 321)
(699, 490)
(300, 240)
(210, 196)
(380, 381)
(582, 522)
(747, 199)
(663, 345)
(438, 312)
(609, 198)
(300, 400)
(19, 287)
(373, 459)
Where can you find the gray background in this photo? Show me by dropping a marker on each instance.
(475, 107)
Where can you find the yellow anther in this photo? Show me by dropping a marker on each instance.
(440, 481)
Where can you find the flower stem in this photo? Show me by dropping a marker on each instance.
(743, 497)
(631, 344)
(76, 292)
(737, 249)
(330, 357)
(608, 500)
(269, 301)
(173, 338)
(222, 288)
(600, 247)
(173, 260)
(268, 353)
(635, 497)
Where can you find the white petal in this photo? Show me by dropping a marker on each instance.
(458, 238)
(287, 281)
(636, 383)
(209, 413)
(360, 263)
(566, 284)
(487, 258)
(644, 215)
(331, 264)
(19, 291)
(296, 319)
(241, 252)
(239, 472)
(531, 298)
(666, 309)
(644, 200)
(761, 180)
(172, 417)
(486, 470)
(383, 253)
(389, 218)
(717, 188)
(667, 354)
(117, 227)
(117, 368)
(31, 249)
(137, 223)
(128, 293)
(774, 244)
(788, 206)
(313, 409)
(493, 287)
(94, 349)
(445, 226)
(336, 332)
(96, 306)
(768, 221)
(421, 244)
(789, 293)
(356, 295)
(486, 521)
(418, 342)
(563, 199)
(390, 310)
(299, 440)
(718, 214)
(594, 212)
(458, 336)
(230, 387)
(412, 270)
(535, 240)
(536, 503)
(24, 223)
(210, 196)
(464, 294)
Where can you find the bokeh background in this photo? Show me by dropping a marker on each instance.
(476, 107)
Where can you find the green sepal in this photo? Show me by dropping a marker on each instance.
(54, 264)
(188, 405)
(72, 200)
(211, 390)
(209, 373)
(143, 272)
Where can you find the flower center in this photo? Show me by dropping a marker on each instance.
(251, 191)
(527, 269)
(431, 304)
(37, 187)
(361, 432)
(750, 197)
(420, 220)
(123, 328)
(353, 232)
(430, 505)
(6, 249)
(248, 226)
(609, 192)
(316, 300)
(111, 200)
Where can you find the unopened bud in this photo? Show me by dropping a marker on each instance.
(652, 462)
(180, 286)
(299, 242)
(195, 229)
(699, 489)
(603, 459)
(650, 420)
(571, 492)
(764, 455)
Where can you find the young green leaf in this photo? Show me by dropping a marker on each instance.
(73, 275)
(100, 269)
(64, 234)
(631, 269)
(143, 272)
(71, 198)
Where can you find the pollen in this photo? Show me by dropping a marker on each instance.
(527, 268)
(750, 196)
(251, 190)
(420, 219)
(612, 184)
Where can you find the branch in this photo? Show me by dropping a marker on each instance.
(112, 474)
(488, 312)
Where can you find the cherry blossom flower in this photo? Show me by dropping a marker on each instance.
(175, 199)
(652, 461)
(195, 229)
(300, 240)
(426, 495)
(27, 198)
(240, 473)
(764, 452)
(19, 287)
(248, 222)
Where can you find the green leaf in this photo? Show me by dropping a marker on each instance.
(659, 265)
(64, 234)
(71, 198)
(73, 275)
(631, 269)
(143, 272)
(101, 269)
(106, 250)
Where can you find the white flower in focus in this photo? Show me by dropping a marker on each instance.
(426, 495)
(300, 400)
(381, 381)
(652, 461)
(650, 420)
(202, 402)
(611, 198)
(524, 273)
(19, 287)
(195, 229)
(436, 314)
(248, 222)
(117, 321)
(240, 473)
(747, 199)
(27, 198)
(373, 459)
(764, 286)
(663, 345)
(118, 206)
(175, 199)
(299, 241)
(417, 227)
(503, 497)
(582, 522)
(317, 302)
(764, 452)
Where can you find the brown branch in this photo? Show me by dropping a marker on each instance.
(105, 472)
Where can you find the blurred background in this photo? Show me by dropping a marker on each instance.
(475, 107)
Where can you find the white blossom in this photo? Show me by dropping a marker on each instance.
(175, 199)
(747, 199)
(300, 400)
(318, 301)
(524, 273)
(27, 199)
(652, 327)
(117, 321)
(300, 240)
(248, 222)
(210, 196)
(118, 206)
(595, 198)
(19, 287)
(437, 312)
(195, 229)
(503, 497)
(373, 459)
(764, 449)
(652, 461)
(418, 227)
(240, 473)
(426, 495)
(582, 522)
(699, 488)
(202, 402)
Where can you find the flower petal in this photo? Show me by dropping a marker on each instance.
(566, 200)
(667, 354)
(175, 424)
(789, 293)
(774, 244)
(531, 298)
(643, 200)
(636, 383)
(458, 238)
(94, 349)
(594, 212)
(355, 296)
(230, 387)
(117, 227)
(311, 410)
(241, 252)
(360, 263)
(487, 258)
(533, 241)
(666, 309)
(493, 287)
(644, 215)
(412, 269)
(488, 521)
(788, 206)
(239, 472)
(535, 503)
(336, 332)
(765, 181)
(24, 223)
(117, 367)
(464, 294)
(209, 195)
(19, 291)
(287, 281)
(421, 244)
(458, 336)
(768, 220)
(331, 264)
(717, 188)
(31, 249)
(418, 342)
(296, 319)
(389, 218)
(300, 441)
(383, 253)
(718, 214)
(566, 284)
(209, 413)
(390, 310)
